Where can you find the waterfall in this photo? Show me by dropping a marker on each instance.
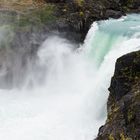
(65, 89)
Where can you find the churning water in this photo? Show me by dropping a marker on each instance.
(68, 97)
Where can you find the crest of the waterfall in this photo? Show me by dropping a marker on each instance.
(90, 36)
(107, 35)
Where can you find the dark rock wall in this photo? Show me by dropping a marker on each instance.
(123, 122)
(78, 15)
(73, 18)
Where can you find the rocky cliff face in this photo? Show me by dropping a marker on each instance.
(72, 17)
(78, 15)
(124, 101)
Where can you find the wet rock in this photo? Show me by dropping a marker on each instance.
(123, 122)
(113, 14)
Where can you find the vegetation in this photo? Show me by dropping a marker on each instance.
(111, 137)
(37, 17)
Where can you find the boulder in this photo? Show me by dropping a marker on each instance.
(113, 14)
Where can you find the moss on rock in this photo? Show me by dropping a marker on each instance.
(123, 104)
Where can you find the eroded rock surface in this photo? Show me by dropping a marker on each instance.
(123, 122)
(72, 17)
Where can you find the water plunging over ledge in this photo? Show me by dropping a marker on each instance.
(64, 93)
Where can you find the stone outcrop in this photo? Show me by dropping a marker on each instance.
(72, 17)
(78, 15)
(123, 122)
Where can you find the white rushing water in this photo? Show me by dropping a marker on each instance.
(68, 97)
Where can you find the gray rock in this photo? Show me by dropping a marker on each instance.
(113, 14)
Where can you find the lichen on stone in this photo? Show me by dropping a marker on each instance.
(111, 137)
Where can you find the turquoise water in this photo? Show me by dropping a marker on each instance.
(126, 26)
(110, 33)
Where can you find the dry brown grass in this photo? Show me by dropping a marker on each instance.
(20, 4)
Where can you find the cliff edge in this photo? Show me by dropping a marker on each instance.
(123, 107)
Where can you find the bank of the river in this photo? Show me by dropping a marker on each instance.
(72, 18)
(123, 122)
